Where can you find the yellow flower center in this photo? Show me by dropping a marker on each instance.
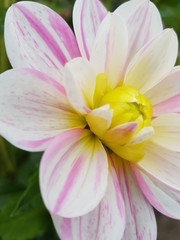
(127, 105)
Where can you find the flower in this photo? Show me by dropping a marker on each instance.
(104, 107)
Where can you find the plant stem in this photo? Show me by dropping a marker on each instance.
(5, 157)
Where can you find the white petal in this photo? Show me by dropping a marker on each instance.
(161, 164)
(167, 131)
(167, 88)
(140, 219)
(162, 197)
(110, 49)
(34, 109)
(143, 23)
(153, 62)
(73, 173)
(165, 96)
(143, 135)
(87, 16)
(80, 82)
(38, 38)
(106, 221)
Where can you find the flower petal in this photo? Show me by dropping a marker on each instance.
(170, 105)
(161, 164)
(99, 120)
(143, 135)
(140, 219)
(153, 62)
(115, 138)
(42, 40)
(143, 23)
(106, 221)
(167, 131)
(73, 173)
(87, 16)
(167, 88)
(161, 197)
(165, 96)
(80, 82)
(110, 48)
(34, 108)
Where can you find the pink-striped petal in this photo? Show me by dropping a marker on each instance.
(110, 49)
(161, 164)
(106, 221)
(169, 87)
(163, 198)
(165, 96)
(42, 40)
(170, 105)
(87, 16)
(153, 62)
(79, 83)
(167, 131)
(143, 23)
(140, 219)
(73, 173)
(34, 109)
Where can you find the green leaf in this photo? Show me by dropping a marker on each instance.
(23, 216)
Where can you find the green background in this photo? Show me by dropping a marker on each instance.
(22, 213)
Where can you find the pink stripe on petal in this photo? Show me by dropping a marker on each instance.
(140, 219)
(42, 40)
(170, 105)
(34, 109)
(163, 198)
(65, 35)
(68, 184)
(34, 144)
(87, 16)
(68, 175)
(149, 194)
(106, 221)
(82, 32)
(143, 23)
(43, 33)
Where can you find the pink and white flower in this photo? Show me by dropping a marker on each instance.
(104, 106)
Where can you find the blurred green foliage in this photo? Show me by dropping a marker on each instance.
(22, 213)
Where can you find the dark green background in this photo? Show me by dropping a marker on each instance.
(22, 213)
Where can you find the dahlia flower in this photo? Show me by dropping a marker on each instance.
(104, 107)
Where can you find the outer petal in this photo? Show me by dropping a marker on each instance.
(153, 62)
(161, 197)
(161, 164)
(167, 131)
(34, 108)
(110, 49)
(140, 219)
(41, 38)
(80, 82)
(143, 23)
(165, 96)
(73, 173)
(106, 221)
(87, 16)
